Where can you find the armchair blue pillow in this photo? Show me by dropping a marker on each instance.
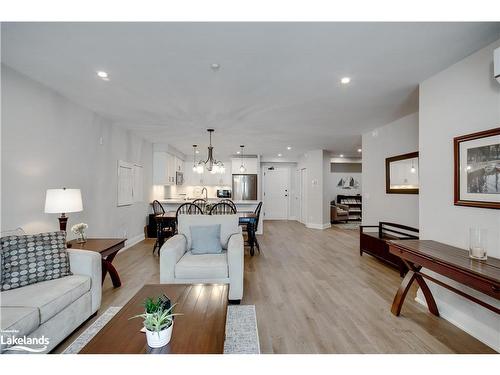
(205, 239)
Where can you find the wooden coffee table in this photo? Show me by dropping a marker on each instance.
(201, 330)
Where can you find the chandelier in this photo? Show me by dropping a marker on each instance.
(211, 165)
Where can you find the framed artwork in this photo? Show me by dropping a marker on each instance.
(401, 174)
(477, 169)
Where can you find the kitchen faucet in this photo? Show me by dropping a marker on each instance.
(206, 193)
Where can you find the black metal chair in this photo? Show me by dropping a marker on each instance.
(222, 208)
(250, 226)
(230, 202)
(202, 203)
(162, 231)
(187, 209)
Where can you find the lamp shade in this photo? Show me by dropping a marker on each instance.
(63, 200)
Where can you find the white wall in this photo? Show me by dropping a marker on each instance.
(316, 163)
(398, 137)
(460, 100)
(50, 142)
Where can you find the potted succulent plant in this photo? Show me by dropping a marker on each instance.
(158, 320)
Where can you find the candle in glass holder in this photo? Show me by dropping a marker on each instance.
(477, 243)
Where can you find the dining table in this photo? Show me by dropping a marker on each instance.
(248, 219)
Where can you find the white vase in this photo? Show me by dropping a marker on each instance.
(159, 339)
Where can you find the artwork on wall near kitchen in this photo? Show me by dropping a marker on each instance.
(477, 169)
(348, 182)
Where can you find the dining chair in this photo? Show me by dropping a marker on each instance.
(162, 231)
(230, 202)
(222, 208)
(202, 203)
(250, 226)
(187, 209)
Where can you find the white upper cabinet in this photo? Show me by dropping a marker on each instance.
(179, 164)
(251, 165)
(164, 168)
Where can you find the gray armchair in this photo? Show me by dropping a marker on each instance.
(179, 266)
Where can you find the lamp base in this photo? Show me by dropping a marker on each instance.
(63, 220)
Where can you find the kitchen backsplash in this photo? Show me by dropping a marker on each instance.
(189, 191)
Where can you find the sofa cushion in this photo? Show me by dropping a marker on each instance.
(228, 226)
(202, 266)
(205, 239)
(29, 259)
(50, 297)
(24, 320)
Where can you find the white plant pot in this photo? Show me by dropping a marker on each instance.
(159, 339)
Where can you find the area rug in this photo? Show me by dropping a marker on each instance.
(242, 336)
(91, 331)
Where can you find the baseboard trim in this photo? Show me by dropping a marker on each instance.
(131, 242)
(318, 226)
(443, 314)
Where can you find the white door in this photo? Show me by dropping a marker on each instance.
(303, 192)
(276, 194)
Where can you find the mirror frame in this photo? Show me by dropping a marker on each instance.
(388, 162)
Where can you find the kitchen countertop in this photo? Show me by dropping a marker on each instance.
(210, 200)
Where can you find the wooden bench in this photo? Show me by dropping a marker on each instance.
(376, 243)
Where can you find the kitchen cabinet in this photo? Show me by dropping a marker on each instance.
(251, 165)
(164, 168)
(179, 164)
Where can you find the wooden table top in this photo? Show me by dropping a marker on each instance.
(171, 215)
(454, 256)
(201, 330)
(98, 245)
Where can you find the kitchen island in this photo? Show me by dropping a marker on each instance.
(172, 204)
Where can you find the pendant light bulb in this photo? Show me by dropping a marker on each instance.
(242, 167)
(195, 168)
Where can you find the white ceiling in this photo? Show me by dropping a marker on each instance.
(278, 84)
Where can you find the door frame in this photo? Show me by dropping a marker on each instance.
(288, 181)
(302, 195)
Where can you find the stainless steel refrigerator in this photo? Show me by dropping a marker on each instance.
(244, 187)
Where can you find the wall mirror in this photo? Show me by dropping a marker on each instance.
(401, 174)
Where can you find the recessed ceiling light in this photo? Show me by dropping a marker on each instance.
(279, 155)
(197, 151)
(341, 155)
(345, 80)
(102, 74)
(215, 66)
(238, 152)
(359, 150)
(288, 147)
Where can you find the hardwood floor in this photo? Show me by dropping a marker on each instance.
(314, 294)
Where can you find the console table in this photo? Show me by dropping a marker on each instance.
(449, 261)
(108, 248)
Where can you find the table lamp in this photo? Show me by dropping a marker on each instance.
(62, 201)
